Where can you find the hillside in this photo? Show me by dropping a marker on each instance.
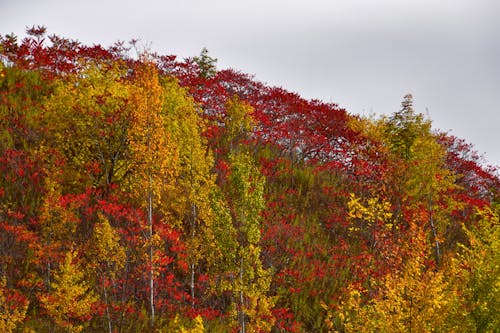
(155, 194)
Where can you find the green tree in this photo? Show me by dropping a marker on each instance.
(404, 127)
(479, 275)
(424, 181)
(238, 124)
(206, 64)
(253, 281)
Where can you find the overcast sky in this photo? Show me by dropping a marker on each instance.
(364, 55)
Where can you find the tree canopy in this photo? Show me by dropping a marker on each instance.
(155, 194)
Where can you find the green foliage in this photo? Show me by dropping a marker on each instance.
(404, 127)
(252, 281)
(206, 64)
(153, 194)
(221, 253)
(480, 272)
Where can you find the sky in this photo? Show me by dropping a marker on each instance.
(364, 55)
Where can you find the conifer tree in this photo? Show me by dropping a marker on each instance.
(206, 64)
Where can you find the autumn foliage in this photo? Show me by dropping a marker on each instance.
(150, 194)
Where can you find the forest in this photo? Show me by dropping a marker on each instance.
(144, 193)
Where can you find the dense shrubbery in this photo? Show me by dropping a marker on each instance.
(148, 193)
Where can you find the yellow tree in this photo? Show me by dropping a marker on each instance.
(58, 225)
(365, 216)
(412, 299)
(155, 160)
(428, 185)
(88, 118)
(424, 179)
(12, 307)
(185, 126)
(106, 259)
(70, 299)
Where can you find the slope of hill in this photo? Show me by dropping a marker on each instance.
(151, 194)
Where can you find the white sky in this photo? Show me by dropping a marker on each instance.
(364, 55)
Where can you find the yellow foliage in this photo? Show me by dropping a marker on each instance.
(195, 180)
(58, 223)
(69, 302)
(369, 127)
(106, 246)
(414, 299)
(153, 151)
(176, 326)
(88, 118)
(11, 315)
(239, 122)
(370, 212)
(428, 174)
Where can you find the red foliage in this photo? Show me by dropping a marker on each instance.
(312, 160)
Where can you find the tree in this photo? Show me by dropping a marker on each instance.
(404, 127)
(13, 306)
(238, 123)
(155, 158)
(89, 119)
(58, 223)
(424, 179)
(253, 281)
(206, 64)
(479, 275)
(428, 184)
(107, 259)
(196, 181)
(412, 299)
(70, 299)
(244, 187)
(156, 194)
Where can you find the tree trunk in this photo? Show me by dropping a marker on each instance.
(108, 317)
(242, 306)
(193, 234)
(434, 233)
(151, 253)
